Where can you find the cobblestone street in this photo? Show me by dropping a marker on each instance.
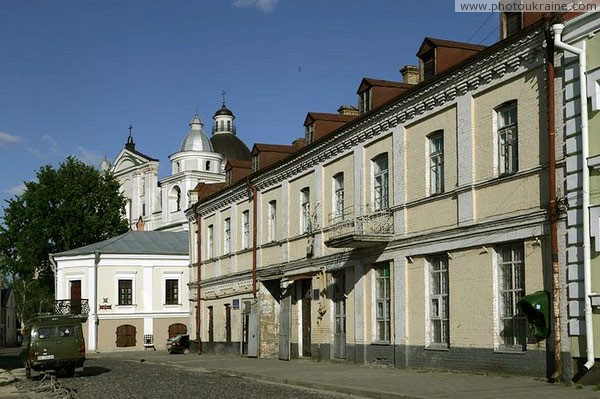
(121, 378)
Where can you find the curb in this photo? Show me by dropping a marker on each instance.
(316, 385)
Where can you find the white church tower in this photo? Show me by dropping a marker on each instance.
(160, 203)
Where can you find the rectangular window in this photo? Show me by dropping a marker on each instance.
(310, 133)
(272, 221)
(511, 288)
(508, 159)
(246, 229)
(338, 196)
(172, 291)
(365, 101)
(125, 292)
(381, 183)
(382, 303)
(436, 163)
(210, 244)
(438, 300)
(255, 164)
(305, 209)
(227, 236)
(428, 65)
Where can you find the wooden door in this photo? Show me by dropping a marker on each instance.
(306, 318)
(75, 296)
(126, 335)
(339, 314)
(285, 316)
(177, 329)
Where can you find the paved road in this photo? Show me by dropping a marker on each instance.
(124, 378)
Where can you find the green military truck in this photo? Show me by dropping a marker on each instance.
(53, 343)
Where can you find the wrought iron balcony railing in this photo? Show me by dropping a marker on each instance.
(72, 307)
(351, 228)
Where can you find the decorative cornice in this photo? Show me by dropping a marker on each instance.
(518, 56)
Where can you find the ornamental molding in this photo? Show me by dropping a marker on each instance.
(507, 62)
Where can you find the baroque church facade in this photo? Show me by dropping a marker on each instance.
(155, 203)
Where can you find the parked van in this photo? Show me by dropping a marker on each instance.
(53, 343)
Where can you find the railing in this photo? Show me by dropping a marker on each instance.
(365, 222)
(71, 307)
(223, 129)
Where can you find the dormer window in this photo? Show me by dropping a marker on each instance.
(310, 133)
(512, 23)
(254, 163)
(228, 178)
(428, 65)
(365, 101)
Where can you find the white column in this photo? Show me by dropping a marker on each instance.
(464, 146)
(318, 209)
(398, 158)
(359, 311)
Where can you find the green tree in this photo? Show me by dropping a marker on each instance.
(66, 208)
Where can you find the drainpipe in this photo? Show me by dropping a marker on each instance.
(553, 211)
(198, 279)
(254, 233)
(96, 319)
(587, 274)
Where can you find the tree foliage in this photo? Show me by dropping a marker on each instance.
(66, 208)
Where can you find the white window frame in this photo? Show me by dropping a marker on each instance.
(246, 229)
(435, 171)
(272, 221)
(227, 236)
(126, 276)
(310, 133)
(338, 196)
(381, 184)
(506, 140)
(382, 304)
(210, 241)
(509, 295)
(305, 210)
(437, 303)
(172, 276)
(366, 100)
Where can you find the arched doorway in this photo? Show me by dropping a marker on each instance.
(177, 329)
(126, 335)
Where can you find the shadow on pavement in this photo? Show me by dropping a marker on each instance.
(93, 371)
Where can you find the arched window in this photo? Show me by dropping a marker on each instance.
(207, 165)
(380, 182)
(175, 199)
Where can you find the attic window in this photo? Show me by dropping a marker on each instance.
(365, 101)
(428, 65)
(310, 133)
(512, 23)
(228, 177)
(254, 163)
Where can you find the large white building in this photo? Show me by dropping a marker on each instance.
(136, 284)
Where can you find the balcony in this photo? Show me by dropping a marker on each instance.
(72, 307)
(360, 228)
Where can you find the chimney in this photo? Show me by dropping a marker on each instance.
(299, 142)
(139, 225)
(347, 110)
(411, 74)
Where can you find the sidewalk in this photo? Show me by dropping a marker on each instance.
(370, 382)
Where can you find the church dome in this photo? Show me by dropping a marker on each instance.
(232, 148)
(196, 139)
(223, 111)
